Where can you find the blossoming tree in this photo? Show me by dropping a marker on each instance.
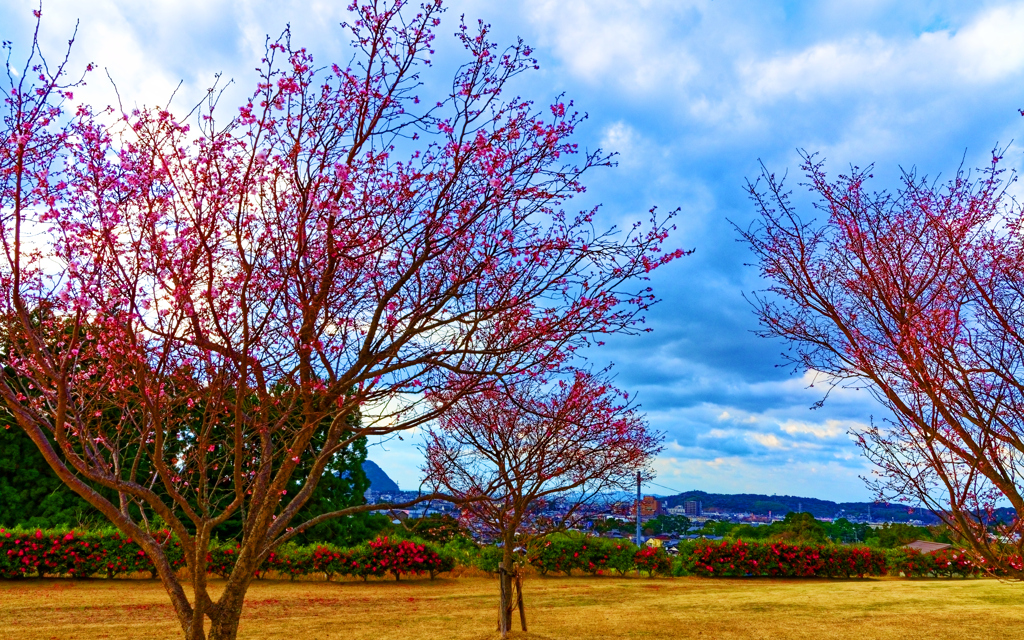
(512, 450)
(196, 306)
(916, 296)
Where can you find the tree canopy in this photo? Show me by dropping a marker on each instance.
(511, 451)
(915, 296)
(227, 288)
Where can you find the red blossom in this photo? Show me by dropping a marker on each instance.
(199, 298)
(914, 295)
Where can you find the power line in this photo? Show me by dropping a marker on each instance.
(664, 487)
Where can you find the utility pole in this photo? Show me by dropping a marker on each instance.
(638, 509)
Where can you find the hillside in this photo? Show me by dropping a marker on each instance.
(780, 505)
(379, 481)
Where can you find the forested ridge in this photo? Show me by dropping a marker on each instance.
(760, 504)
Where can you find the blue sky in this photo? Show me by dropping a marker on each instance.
(692, 94)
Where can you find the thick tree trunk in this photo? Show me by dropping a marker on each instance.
(228, 610)
(229, 613)
(194, 629)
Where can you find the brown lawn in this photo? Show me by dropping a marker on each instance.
(557, 607)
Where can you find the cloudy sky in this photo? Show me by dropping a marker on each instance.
(692, 95)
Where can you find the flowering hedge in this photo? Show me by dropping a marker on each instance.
(25, 553)
(562, 553)
(376, 558)
(382, 556)
(652, 561)
(955, 563)
(611, 555)
(77, 554)
(778, 559)
(559, 553)
(108, 553)
(949, 563)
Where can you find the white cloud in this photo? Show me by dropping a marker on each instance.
(989, 49)
(767, 439)
(632, 42)
(823, 67)
(823, 431)
(621, 138)
(150, 47)
(734, 474)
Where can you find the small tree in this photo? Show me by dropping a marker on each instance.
(918, 297)
(226, 292)
(516, 448)
(678, 525)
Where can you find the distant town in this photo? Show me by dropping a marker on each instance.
(698, 507)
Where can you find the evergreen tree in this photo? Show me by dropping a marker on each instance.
(31, 495)
(343, 484)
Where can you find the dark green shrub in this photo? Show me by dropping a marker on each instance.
(488, 558)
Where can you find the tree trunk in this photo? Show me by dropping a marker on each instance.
(505, 571)
(195, 632)
(519, 599)
(504, 602)
(228, 610)
(225, 624)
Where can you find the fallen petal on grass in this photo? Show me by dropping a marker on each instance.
(557, 608)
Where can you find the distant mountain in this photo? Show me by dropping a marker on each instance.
(379, 481)
(781, 505)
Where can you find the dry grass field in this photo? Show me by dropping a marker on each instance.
(465, 608)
